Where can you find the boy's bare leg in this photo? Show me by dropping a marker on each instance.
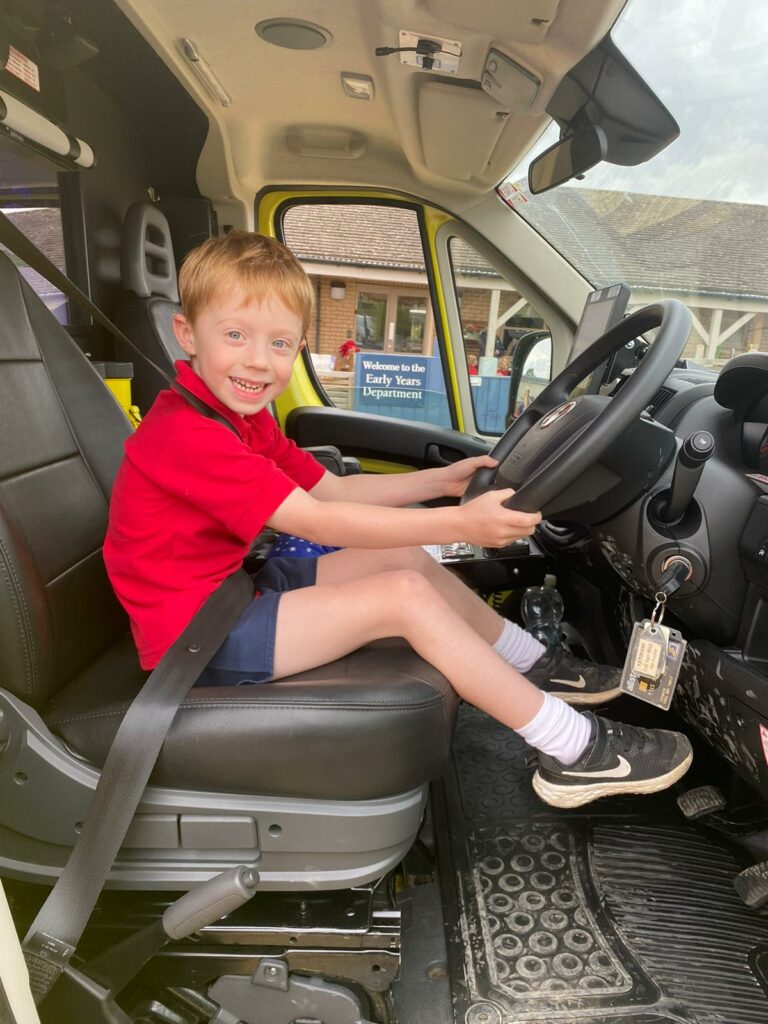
(318, 624)
(355, 563)
(580, 758)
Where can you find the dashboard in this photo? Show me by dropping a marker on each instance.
(723, 532)
(722, 609)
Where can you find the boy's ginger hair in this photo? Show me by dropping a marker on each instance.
(261, 266)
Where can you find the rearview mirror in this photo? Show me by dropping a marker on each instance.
(568, 158)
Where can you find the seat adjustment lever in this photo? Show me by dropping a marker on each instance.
(206, 903)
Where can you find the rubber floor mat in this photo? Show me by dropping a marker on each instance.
(617, 913)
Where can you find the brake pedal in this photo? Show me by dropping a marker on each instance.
(752, 885)
(701, 801)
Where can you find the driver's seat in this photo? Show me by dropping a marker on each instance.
(322, 776)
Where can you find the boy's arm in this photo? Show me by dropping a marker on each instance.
(396, 489)
(482, 521)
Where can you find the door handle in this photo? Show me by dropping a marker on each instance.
(436, 455)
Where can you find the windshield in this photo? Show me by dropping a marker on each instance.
(691, 223)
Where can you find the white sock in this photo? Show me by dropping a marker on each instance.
(517, 647)
(556, 729)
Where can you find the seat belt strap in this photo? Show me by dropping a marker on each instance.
(56, 931)
(20, 246)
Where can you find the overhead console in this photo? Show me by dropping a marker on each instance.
(601, 94)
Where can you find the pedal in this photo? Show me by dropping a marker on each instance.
(701, 801)
(752, 885)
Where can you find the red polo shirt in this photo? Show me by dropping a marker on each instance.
(188, 501)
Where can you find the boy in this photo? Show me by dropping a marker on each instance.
(191, 496)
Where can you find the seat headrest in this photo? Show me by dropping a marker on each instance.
(147, 266)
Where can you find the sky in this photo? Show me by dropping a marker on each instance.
(707, 61)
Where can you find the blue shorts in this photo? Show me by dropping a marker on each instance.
(248, 653)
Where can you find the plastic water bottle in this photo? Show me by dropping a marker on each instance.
(542, 610)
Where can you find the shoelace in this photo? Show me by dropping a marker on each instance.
(634, 740)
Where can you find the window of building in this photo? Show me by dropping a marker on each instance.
(373, 340)
(507, 343)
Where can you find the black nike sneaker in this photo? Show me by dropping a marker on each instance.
(619, 759)
(573, 680)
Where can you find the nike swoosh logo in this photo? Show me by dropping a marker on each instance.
(622, 769)
(579, 683)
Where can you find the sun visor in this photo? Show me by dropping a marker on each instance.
(459, 129)
(525, 21)
(605, 91)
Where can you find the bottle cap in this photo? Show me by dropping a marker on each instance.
(550, 580)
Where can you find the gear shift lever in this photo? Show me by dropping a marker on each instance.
(694, 452)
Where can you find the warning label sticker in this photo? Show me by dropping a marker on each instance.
(764, 740)
(24, 68)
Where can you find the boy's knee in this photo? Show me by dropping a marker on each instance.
(411, 588)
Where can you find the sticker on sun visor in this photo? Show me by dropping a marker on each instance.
(764, 741)
(22, 67)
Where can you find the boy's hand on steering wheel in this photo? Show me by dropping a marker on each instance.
(456, 477)
(486, 522)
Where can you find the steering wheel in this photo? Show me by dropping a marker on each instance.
(556, 439)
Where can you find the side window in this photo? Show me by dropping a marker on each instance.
(373, 342)
(507, 343)
(30, 198)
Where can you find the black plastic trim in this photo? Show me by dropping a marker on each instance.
(379, 437)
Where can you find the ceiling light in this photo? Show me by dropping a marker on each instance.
(293, 34)
(203, 71)
(357, 87)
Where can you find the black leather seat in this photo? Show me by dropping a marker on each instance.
(372, 724)
(365, 728)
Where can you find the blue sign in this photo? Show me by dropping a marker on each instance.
(408, 387)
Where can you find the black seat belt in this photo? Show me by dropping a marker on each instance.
(55, 932)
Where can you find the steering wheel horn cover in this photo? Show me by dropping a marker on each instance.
(556, 414)
(549, 461)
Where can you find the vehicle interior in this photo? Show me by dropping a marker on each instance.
(527, 238)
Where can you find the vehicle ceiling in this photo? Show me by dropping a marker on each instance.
(425, 133)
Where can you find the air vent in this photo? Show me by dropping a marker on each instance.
(660, 399)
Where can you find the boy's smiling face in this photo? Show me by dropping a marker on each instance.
(242, 349)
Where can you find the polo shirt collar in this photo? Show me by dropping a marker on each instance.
(188, 379)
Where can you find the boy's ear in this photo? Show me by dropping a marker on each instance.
(184, 334)
(302, 344)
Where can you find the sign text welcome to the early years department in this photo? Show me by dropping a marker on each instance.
(392, 380)
(398, 384)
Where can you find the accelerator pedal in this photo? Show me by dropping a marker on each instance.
(700, 802)
(752, 885)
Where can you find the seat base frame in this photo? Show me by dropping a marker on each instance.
(179, 838)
